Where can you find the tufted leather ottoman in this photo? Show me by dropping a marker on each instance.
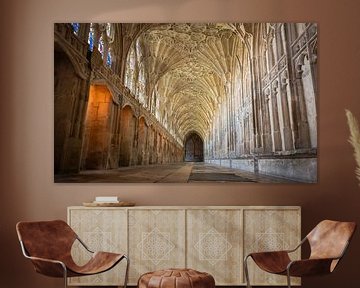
(176, 278)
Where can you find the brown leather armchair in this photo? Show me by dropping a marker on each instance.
(48, 245)
(328, 242)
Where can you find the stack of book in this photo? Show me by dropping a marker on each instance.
(106, 199)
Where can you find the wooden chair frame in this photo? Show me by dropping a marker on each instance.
(320, 265)
(55, 263)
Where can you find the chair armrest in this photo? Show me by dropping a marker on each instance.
(309, 267)
(45, 260)
(48, 267)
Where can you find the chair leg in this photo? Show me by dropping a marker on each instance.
(65, 275)
(246, 272)
(288, 278)
(126, 271)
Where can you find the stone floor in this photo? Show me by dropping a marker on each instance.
(168, 173)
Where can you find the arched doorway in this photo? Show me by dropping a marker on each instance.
(194, 148)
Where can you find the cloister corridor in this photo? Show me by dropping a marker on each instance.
(187, 172)
(185, 102)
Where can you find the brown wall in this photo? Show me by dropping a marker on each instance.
(26, 120)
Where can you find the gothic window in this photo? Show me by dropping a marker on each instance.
(75, 27)
(101, 45)
(155, 106)
(109, 58)
(110, 32)
(135, 73)
(130, 69)
(141, 87)
(91, 38)
(141, 78)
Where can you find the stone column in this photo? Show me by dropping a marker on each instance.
(302, 139)
(287, 131)
(266, 120)
(275, 116)
(256, 92)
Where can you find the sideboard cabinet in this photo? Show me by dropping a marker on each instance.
(211, 239)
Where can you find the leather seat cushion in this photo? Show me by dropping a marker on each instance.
(176, 278)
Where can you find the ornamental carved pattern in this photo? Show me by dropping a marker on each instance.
(156, 246)
(213, 246)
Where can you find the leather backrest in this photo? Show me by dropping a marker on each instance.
(47, 239)
(329, 238)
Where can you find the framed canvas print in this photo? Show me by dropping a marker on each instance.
(185, 102)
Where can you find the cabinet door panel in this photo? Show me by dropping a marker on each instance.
(100, 230)
(214, 244)
(156, 240)
(270, 230)
(213, 240)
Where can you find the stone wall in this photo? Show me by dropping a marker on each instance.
(273, 112)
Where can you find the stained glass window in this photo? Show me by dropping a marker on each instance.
(76, 27)
(91, 38)
(109, 59)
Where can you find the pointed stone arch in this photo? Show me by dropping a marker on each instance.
(194, 147)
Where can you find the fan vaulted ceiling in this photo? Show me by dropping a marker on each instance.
(190, 68)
